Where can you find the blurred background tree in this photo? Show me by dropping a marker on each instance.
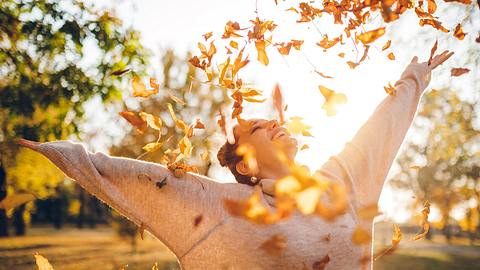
(55, 56)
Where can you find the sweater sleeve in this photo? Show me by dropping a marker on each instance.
(178, 211)
(365, 161)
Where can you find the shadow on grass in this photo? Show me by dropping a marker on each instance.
(412, 262)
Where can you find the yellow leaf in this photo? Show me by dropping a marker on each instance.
(296, 125)
(152, 147)
(140, 90)
(332, 99)
(15, 200)
(371, 36)
(307, 200)
(42, 262)
(152, 121)
(397, 235)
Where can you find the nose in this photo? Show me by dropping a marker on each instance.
(273, 124)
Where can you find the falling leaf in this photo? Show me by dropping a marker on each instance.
(368, 212)
(458, 33)
(120, 72)
(415, 167)
(327, 44)
(341, 55)
(297, 44)
(391, 56)
(466, 2)
(323, 75)
(135, 120)
(42, 262)
(199, 124)
(151, 120)
(198, 219)
(233, 44)
(277, 98)
(305, 146)
(248, 154)
(140, 90)
(262, 55)
(397, 235)
(207, 35)
(387, 45)
(390, 90)
(352, 65)
(332, 99)
(434, 23)
(141, 229)
(371, 36)
(274, 245)
(204, 155)
(432, 6)
(152, 147)
(296, 125)
(15, 200)
(361, 237)
(425, 225)
(458, 71)
(320, 265)
(307, 199)
(432, 52)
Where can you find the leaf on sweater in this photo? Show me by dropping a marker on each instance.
(42, 262)
(198, 219)
(332, 100)
(15, 200)
(274, 245)
(455, 72)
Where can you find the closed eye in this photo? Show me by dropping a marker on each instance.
(255, 129)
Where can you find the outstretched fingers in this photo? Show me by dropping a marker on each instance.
(439, 59)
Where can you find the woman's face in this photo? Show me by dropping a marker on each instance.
(271, 142)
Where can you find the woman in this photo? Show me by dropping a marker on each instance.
(170, 208)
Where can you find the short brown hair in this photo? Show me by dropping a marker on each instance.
(227, 155)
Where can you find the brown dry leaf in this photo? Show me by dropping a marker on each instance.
(352, 65)
(204, 155)
(297, 44)
(458, 33)
(283, 48)
(361, 237)
(434, 23)
(199, 124)
(140, 90)
(15, 200)
(277, 98)
(135, 120)
(274, 245)
(141, 229)
(177, 99)
(390, 90)
(342, 55)
(387, 45)
(320, 265)
(42, 262)
(332, 99)
(152, 147)
(371, 36)
(327, 44)
(261, 54)
(455, 72)
(391, 56)
(251, 209)
(120, 72)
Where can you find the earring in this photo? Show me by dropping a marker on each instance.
(253, 179)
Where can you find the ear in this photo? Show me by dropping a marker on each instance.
(242, 168)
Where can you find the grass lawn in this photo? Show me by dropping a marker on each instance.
(73, 249)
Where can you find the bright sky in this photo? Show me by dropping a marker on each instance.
(180, 24)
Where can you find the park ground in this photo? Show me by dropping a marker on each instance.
(101, 248)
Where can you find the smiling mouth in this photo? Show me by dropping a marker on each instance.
(278, 135)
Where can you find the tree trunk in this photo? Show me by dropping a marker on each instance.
(18, 220)
(3, 194)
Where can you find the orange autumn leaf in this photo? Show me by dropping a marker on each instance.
(207, 35)
(296, 125)
(371, 36)
(432, 6)
(151, 120)
(455, 72)
(424, 219)
(305, 146)
(458, 33)
(248, 154)
(342, 55)
(352, 65)
(177, 99)
(274, 245)
(204, 155)
(261, 54)
(327, 44)
(277, 98)
(390, 90)
(283, 48)
(397, 235)
(135, 120)
(432, 52)
(368, 212)
(434, 23)
(361, 237)
(391, 56)
(140, 90)
(323, 75)
(199, 124)
(387, 45)
(332, 99)
(233, 44)
(42, 262)
(297, 44)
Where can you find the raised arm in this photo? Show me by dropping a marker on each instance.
(365, 161)
(146, 193)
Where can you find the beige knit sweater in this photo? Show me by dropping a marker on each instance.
(221, 241)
